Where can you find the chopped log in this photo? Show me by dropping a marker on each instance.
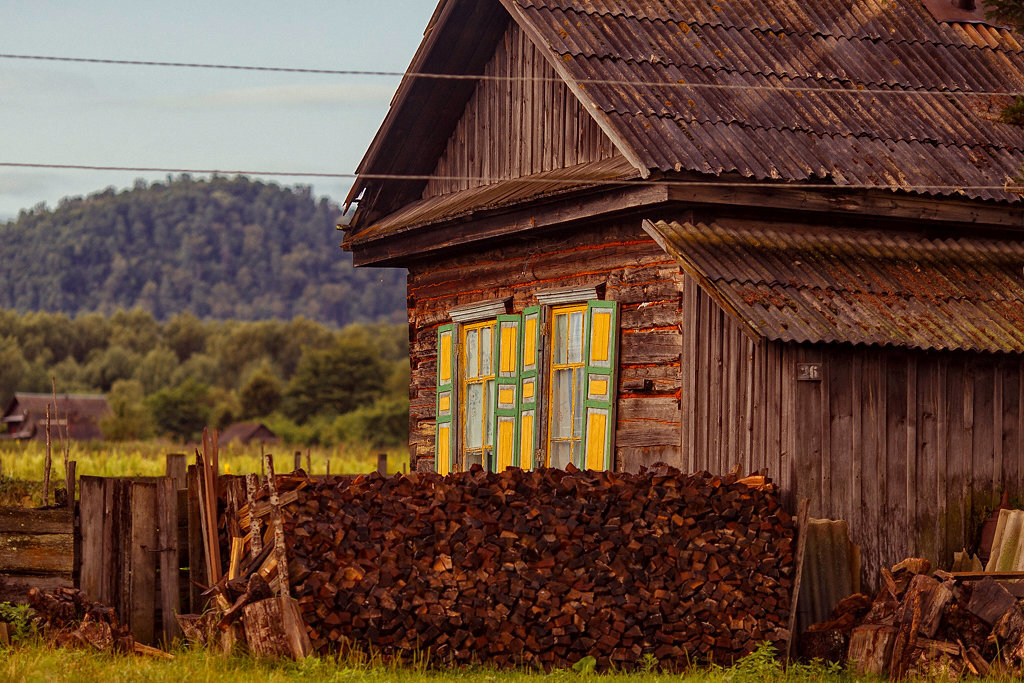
(932, 597)
(274, 628)
(990, 601)
(1009, 630)
(871, 649)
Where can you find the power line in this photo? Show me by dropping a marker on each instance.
(565, 179)
(855, 90)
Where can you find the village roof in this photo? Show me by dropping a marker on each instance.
(832, 285)
(93, 406)
(246, 432)
(852, 94)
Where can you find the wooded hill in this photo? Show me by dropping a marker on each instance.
(221, 248)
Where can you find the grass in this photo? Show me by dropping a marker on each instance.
(39, 662)
(22, 463)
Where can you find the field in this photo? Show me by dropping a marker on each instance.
(21, 463)
(37, 662)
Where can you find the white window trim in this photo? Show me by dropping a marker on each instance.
(480, 310)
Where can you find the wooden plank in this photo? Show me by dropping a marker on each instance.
(198, 578)
(91, 515)
(840, 430)
(897, 458)
(141, 578)
(167, 543)
(36, 553)
(111, 559)
(30, 521)
(177, 469)
(801, 548)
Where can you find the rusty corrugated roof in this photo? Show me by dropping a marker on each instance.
(843, 285)
(830, 49)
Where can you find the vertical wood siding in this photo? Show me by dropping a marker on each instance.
(516, 127)
(911, 448)
(640, 276)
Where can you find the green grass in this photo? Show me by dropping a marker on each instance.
(39, 662)
(22, 463)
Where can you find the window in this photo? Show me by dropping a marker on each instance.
(490, 385)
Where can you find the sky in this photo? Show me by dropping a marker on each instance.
(113, 115)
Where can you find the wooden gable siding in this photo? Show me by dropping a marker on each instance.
(639, 275)
(513, 126)
(912, 448)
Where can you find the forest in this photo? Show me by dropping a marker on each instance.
(225, 248)
(312, 384)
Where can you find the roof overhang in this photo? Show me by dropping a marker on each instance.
(822, 284)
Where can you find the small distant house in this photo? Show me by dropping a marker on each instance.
(780, 235)
(248, 432)
(25, 417)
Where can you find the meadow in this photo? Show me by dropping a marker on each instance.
(22, 462)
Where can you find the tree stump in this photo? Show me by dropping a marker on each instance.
(274, 628)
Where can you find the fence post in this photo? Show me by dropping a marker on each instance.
(382, 464)
(298, 461)
(167, 548)
(177, 469)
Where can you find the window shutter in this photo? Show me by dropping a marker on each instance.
(444, 448)
(529, 387)
(506, 395)
(602, 333)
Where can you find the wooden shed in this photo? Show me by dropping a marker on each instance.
(777, 235)
(77, 415)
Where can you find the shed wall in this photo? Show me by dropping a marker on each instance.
(912, 448)
(637, 273)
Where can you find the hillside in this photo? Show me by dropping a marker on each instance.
(220, 248)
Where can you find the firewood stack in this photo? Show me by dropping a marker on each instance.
(537, 568)
(919, 624)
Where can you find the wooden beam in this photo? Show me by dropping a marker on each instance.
(875, 203)
(416, 243)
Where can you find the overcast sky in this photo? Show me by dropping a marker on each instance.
(90, 114)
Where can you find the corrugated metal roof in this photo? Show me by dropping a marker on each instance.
(841, 285)
(831, 49)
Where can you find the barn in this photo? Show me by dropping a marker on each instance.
(775, 235)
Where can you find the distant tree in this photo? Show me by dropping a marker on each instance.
(129, 419)
(13, 369)
(156, 369)
(185, 335)
(181, 411)
(261, 393)
(335, 381)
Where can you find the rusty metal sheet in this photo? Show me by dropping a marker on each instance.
(831, 571)
(1008, 544)
(641, 54)
(860, 287)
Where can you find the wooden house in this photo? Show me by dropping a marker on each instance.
(248, 432)
(779, 235)
(77, 415)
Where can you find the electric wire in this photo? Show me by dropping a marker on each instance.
(854, 90)
(562, 179)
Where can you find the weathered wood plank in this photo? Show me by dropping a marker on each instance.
(28, 521)
(166, 503)
(36, 553)
(91, 515)
(141, 579)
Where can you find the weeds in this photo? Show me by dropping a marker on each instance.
(1014, 113)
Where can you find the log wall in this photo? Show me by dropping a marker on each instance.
(640, 276)
(512, 128)
(36, 549)
(911, 448)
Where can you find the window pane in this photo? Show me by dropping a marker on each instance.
(486, 345)
(577, 405)
(472, 354)
(474, 459)
(561, 334)
(474, 415)
(560, 454)
(576, 337)
(576, 446)
(561, 410)
(489, 413)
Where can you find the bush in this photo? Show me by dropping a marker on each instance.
(19, 620)
(382, 425)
